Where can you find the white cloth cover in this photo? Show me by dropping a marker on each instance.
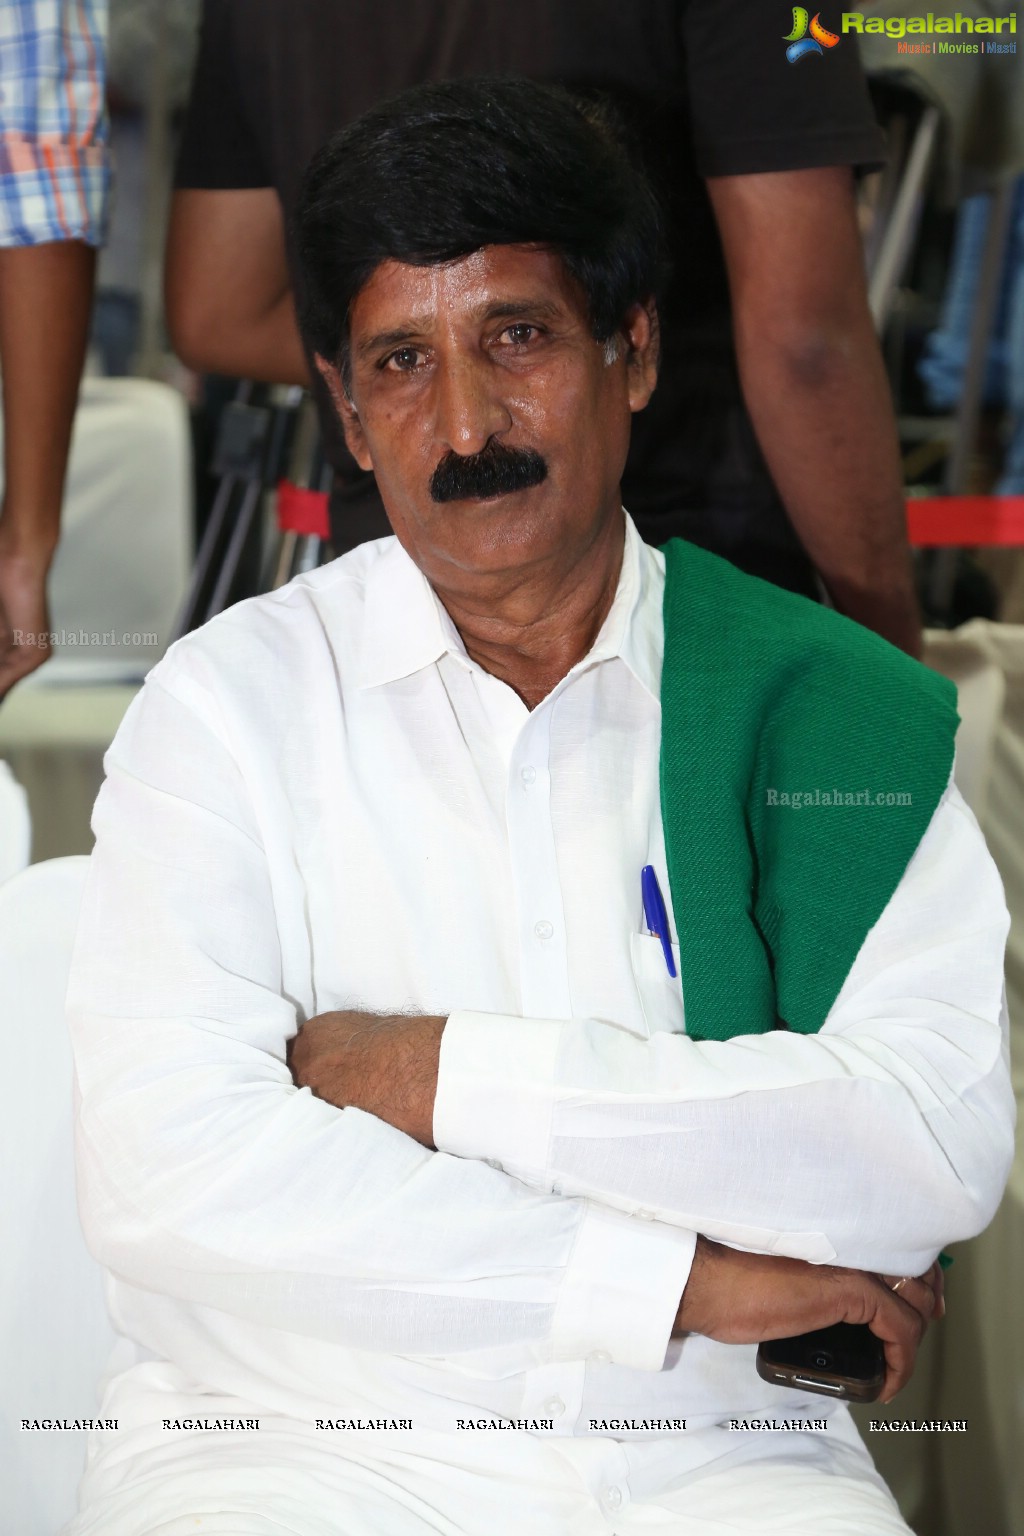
(15, 825)
(126, 544)
(55, 1336)
(54, 740)
(973, 1365)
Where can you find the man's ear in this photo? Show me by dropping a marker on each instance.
(642, 334)
(355, 437)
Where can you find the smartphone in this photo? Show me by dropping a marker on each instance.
(845, 1361)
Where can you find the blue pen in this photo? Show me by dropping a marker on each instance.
(655, 915)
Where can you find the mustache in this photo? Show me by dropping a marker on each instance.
(496, 470)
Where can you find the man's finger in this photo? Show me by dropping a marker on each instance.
(918, 1290)
(900, 1324)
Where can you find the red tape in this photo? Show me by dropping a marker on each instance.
(965, 521)
(302, 511)
(935, 521)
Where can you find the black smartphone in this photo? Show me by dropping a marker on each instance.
(845, 1361)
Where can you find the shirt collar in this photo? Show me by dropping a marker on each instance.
(402, 629)
(407, 627)
(633, 628)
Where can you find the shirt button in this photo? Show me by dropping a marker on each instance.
(599, 1357)
(611, 1498)
(528, 774)
(553, 1408)
(543, 929)
(644, 1215)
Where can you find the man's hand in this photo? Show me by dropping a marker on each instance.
(742, 1298)
(382, 1063)
(24, 617)
(45, 303)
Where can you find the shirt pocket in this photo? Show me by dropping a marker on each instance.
(661, 995)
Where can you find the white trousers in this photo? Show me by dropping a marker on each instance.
(506, 1483)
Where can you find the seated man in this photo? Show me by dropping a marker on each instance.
(395, 1137)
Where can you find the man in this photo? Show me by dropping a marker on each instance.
(426, 779)
(54, 199)
(771, 439)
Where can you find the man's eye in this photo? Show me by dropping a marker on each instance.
(403, 360)
(520, 333)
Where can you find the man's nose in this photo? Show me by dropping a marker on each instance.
(469, 406)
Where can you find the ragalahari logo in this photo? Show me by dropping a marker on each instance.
(800, 44)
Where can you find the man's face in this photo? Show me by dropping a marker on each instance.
(491, 355)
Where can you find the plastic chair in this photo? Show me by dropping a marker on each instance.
(55, 1334)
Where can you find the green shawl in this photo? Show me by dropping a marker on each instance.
(802, 758)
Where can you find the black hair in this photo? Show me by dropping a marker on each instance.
(443, 170)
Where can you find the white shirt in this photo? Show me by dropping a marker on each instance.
(319, 801)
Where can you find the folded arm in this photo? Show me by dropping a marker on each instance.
(207, 1175)
(872, 1143)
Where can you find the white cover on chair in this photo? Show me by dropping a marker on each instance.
(55, 1336)
(15, 825)
(961, 655)
(122, 565)
(972, 1365)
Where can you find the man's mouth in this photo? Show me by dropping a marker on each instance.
(496, 470)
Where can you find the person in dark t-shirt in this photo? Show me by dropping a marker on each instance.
(770, 438)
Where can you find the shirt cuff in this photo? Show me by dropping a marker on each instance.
(53, 191)
(495, 1088)
(622, 1289)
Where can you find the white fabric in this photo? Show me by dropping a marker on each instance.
(981, 696)
(276, 1482)
(973, 1366)
(895, 1066)
(54, 739)
(320, 802)
(122, 564)
(54, 1330)
(15, 825)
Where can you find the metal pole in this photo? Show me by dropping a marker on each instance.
(902, 226)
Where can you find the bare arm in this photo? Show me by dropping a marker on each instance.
(815, 385)
(228, 291)
(45, 302)
(744, 1298)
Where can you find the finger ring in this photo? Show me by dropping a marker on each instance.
(901, 1282)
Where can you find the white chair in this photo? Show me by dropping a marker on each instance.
(126, 542)
(15, 825)
(962, 656)
(115, 590)
(55, 1335)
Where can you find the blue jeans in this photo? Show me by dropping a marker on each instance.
(945, 355)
